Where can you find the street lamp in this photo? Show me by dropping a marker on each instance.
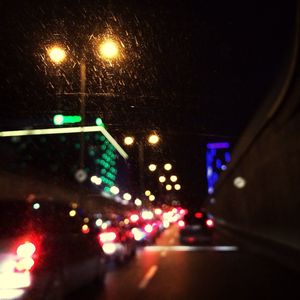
(152, 139)
(57, 54)
(152, 167)
(168, 167)
(108, 49)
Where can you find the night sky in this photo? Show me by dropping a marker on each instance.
(195, 71)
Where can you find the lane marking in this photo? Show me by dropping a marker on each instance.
(192, 248)
(148, 276)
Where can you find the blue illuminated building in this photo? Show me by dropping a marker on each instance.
(217, 158)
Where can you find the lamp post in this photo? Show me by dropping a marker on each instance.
(152, 139)
(107, 50)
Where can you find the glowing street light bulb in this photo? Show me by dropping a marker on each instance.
(114, 190)
(153, 139)
(128, 140)
(147, 193)
(167, 167)
(57, 54)
(151, 198)
(173, 178)
(168, 187)
(109, 49)
(162, 179)
(138, 202)
(152, 167)
(177, 187)
(127, 196)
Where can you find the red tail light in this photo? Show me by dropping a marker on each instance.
(210, 223)
(25, 254)
(107, 237)
(198, 215)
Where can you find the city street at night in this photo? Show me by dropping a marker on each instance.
(149, 150)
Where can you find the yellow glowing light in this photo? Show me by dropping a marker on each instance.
(72, 213)
(57, 54)
(74, 205)
(151, 197)
(127, 196)
(114, 190)
(138, 202)
(239, 182)
(152, 167)
(128, 140)
(168, 187)
(162, 179)
(153, 139)
(167, 167)
(109, 49)
(147, 193)
(177, 187)
(173, 178)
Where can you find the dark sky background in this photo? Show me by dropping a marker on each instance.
(196, 71)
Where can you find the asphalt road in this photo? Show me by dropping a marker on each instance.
(167, 270)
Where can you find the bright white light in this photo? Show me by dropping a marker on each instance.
(109, 49)
(147, 215)
(96, 180)
(152, 167)
(177, 187)
(109, 248)
(168, 167)
(151, 198)
(127, 196)
(158, 211)
(239, 182)
(36, 206)
(138, 202)
(148, 228)
(72, 213)
(93, 179)
(57, 54)
(128, 140)
(114, 190)
(138, 234)
(98, 222)
(168, 187)
(173, 178)
(153, 139)
(166, 224)
(162, 179)
(147, 193)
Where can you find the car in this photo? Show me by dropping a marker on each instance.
(116, 239)
(46, 250)
(195, 228)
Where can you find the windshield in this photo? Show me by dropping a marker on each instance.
(147, 116)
